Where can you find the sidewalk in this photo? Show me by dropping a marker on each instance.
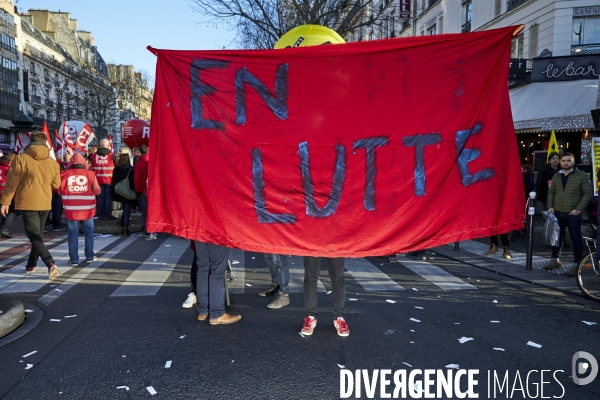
(471, 252)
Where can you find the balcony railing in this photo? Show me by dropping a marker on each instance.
(49, 103)
(514, 3)
(585, 49)
(466, 27)
(36, 99)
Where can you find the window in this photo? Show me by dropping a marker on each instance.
(468, 10)
(533, 41)
(432, 30)
(441, 25)
(497, 8)
(585, 31)
(516, 50)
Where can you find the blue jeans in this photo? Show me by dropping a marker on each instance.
(573, 222)
(143, 203)
(280, 271)
(104, 202)
(73, 234)
(126, 215)
(210, 282)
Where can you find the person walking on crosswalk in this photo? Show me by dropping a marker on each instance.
(79, 188)
(31, 177)
(312, 268)
(212, 263)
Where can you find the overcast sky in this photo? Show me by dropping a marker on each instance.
(123, 28)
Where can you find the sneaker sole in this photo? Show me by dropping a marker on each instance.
(277, 306)
(213, 322)
(53, 273)
(306, 333)
(184, 305)
(343, 334)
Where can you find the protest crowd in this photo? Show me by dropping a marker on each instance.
(40, 187)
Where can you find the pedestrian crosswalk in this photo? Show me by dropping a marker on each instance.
(154, 270)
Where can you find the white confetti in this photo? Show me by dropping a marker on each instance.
(415, 289)
(253, 258)
(455, 366)
(301, 334)
(29, 366)
(28, 354)
(412, 330)
(498, 348)
(433, 253)
(55, 320)
(495, 322)
(168, 364)
(464, 339)
(495, 301)
(381, 264)
(28, 310)
(181, 337)
(352, 299)
(406, 364)
(167, 245)
(151, 390)
(328, 292)
(388, 332)
(123, 387)
(235, 262)
(70, 316)
(247, 284)
(164, 263)
(432, 258)
(155, 260)
(391, 301)
(341, 366)
(457, 323)
(415, 320)
(53, 285)
(589, 323)
(420, 308)
(58, 290)
(532, 344)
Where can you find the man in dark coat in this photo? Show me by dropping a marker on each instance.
(544, 178)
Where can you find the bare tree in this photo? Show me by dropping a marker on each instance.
(98, 100)
(260, 23)
(133, 93)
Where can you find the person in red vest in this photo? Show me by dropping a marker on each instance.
(79, 188)
(103, 164)
(5, 222)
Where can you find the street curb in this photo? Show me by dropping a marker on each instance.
(534, 277)
(34, 317)
(12, 314)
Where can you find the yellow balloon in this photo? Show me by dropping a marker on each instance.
(309, 35)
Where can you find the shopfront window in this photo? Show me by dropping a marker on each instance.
(516, 50)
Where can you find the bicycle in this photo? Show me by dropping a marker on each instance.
(588, 272)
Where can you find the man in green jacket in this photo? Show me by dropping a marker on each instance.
(568, 196)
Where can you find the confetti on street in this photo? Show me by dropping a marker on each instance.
(70, 316)
(406, 364)
(589, 323)
(55, 320)
(495, 322)
(415, 320)
(168, 364)
(341, 366)
(455, 366)
(29, 354)
(29, 366)
(151, 390)
(498, 348)
(123, 387)
(464, 339)
(391, 301)
(532, 344)
(420, 308)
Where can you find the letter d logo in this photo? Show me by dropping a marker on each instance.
(582, 367)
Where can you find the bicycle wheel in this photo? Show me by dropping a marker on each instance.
(588, 277)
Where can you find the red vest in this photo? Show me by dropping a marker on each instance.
(78, 199)
(103, 167)
(3, 172)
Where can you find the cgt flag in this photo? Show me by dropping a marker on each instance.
(349, 150)
(86, 135)
(67, 141)
(552, 147)
(22, 141)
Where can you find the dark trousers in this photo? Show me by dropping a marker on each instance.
(194, 273)
(312, 268)
(104, 202)
(143, 203)
(573, 223)
(503, 237)
(126, 215)
(210, 283)
(57, 209)
(6, 222)
(34, 222)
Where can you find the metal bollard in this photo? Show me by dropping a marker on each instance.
(530, 214)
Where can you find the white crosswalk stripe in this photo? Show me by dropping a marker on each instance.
(14, 279)
(25, 249)
(148, 278)
(150, 275)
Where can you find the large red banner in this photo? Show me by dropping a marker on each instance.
(366, 148)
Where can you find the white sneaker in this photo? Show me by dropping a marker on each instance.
(191, 300)
(151, 236)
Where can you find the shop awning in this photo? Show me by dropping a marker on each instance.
(546, 106)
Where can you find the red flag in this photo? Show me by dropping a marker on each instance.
(22, 141)
(347, 150)
(110, 142)
(59, 145)
(48, 140)
(84, 138)
(67, 140)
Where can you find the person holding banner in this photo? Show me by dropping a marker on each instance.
(568, 196)
(31, 178)
(312, 268)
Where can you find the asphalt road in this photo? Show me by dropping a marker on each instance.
(112, 342)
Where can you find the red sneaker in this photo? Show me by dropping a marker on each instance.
(341, 326)
(30, 270)
(309, 325)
